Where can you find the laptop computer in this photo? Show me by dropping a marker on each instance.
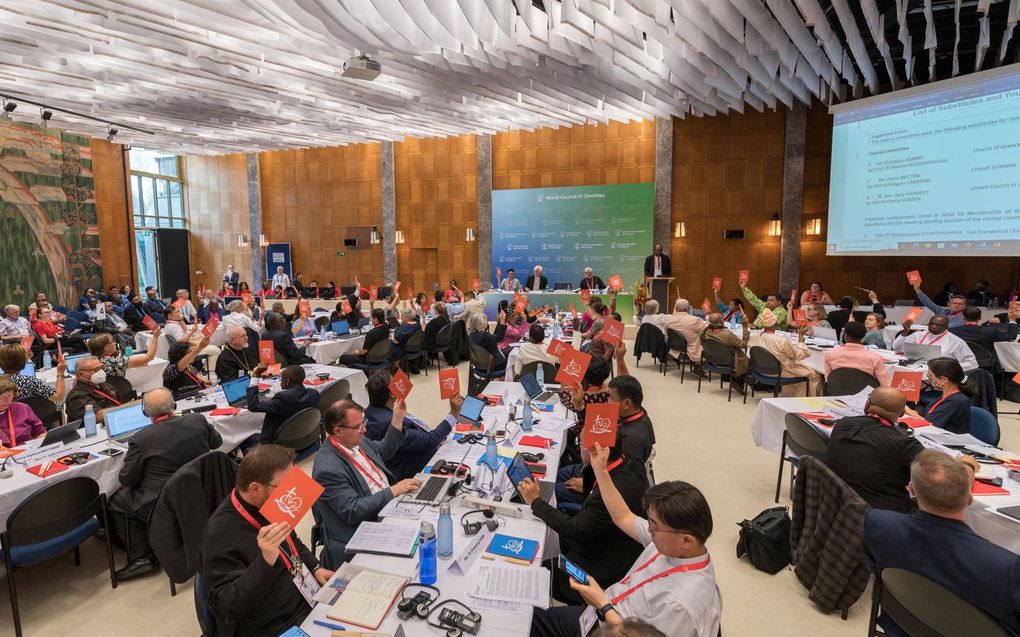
(536, 392)
(914, 352)
(73, 360)
(433, 489)
(124, 422)
(29, 369)
(519, 470)
(471, 410)
(341, 327)
(826, 333)
(236, 390)
(65, 433)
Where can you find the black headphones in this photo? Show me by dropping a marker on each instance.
(472, 528)
(418, 606)
(532, 457)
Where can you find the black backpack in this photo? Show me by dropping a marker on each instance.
(766, 540)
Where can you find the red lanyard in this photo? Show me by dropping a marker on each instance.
(881, 420)
(10, 425)
(697, 566)
(252, 521)
(939, 401)
(590, 281)
(920, 341)
(193, 376)
(161, 418)
(609, 469)
(106, 396)
(633, 418)
(371, 472)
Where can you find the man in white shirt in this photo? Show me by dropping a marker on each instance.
(14, 326)
(534, 350)
(672, 583)
(938, 334)
(472, 305)
(652, 316)
(280, 279)
(239, 315)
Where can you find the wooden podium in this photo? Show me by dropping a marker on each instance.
(658, 289)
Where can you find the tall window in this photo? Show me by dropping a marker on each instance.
(157, 189)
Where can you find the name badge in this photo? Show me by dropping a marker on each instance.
(588, 620)
(306, 583)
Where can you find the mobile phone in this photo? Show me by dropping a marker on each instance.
(111, 451)
(573, 570)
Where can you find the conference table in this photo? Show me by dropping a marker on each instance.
(624, 302)
(142, 378)
(329, 350)
(511, 358)
(498, 618)
(769, 423)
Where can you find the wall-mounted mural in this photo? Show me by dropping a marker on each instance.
(49, 240)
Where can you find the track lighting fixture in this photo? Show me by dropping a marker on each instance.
(8, 109)
(45, 119)
(111, 132)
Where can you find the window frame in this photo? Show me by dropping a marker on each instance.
(141, 218)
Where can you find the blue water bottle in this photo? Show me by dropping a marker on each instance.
(526, 419)
(491, 454)
(89, 420)
(427, 554)
(445, 525)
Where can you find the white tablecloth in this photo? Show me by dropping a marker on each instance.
(768, 425)
(142, 378)
(326, 352)
(1009, 355)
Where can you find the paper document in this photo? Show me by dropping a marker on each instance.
(385, 539)
(513, 584)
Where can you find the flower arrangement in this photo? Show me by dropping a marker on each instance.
(640, 296)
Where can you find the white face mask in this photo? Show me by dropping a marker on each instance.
(99, 377)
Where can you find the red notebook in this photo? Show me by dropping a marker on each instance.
(315, 382)
(55, 467)
(980, 488)
(225, 411)
(536, 441)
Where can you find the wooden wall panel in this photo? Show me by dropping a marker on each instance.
(612, 153)
(885, 275)
(116, 225)
(436, 186)
(727, 174)
(217, 213)
(310, 197)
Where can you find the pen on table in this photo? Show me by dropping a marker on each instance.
(319, 622)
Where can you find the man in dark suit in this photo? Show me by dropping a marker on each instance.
(134, 314)
(231, 277)
(353, 472)
(986, 335)
(420, 442)
(536, 281)
(153, 455)
(154, 305)
(292, 398)
(658, 264)
(936, 542)
(409, 326)
(283, 341)
(380, 332)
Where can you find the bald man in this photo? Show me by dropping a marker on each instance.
(872, 455)
(154, 454)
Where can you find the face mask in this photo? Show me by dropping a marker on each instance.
(99, 377)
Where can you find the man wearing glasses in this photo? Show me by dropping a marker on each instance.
(352, 469)
(672, 583)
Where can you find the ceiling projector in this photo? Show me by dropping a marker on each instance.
(361, 68)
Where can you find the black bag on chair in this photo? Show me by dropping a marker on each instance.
(766, 540)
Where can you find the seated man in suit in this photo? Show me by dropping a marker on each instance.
(292, 398)
(936, 542)
(154, 305)
(986, 335)
(134, 314)
(409, 326)
(278, 331)
(420, 442)
(536, 281)
(353, 472)
(153, 455)
(380, 332)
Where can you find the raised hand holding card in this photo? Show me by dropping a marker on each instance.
(909, 383)
(449, 383)
(600, 422)
(573, 364)
(745, 275)
(292, 498)
(401, 385)
(914, 277)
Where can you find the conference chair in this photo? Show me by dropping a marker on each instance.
(206, 619)
(984, 426)
(443, 344)
(125, 391)
(481, 370)
(328, 397)
(414, 349)
(985, 360)
(847, 381)
(301, 432)
(923, 608)
(676, 341)
(803, 439)
(767, 370)
(44, 409)
(321, 322)
(377, 358)
(650, 339)
(279, 357)
(57, 519)
(548, 370)
(717, 357)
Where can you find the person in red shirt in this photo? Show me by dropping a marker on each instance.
(51, 333)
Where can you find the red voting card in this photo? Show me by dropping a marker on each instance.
(585, 295)
(44, 471)
(557, 348)
(520, 298)
(573, 365)
(600, 425)
(1016, 378)
(401, 385)
(800, 317)
(913, 314)
(292, 499)
(744, 276)
(705, 305)
(396, 286)
(909, 383)
(914, 277)
(616, 282)
(200, 292)
(612, 331)
(983, 488)
(247, 298)
(304, 309)
(573, 311)
(410, 293)
(266, 352)
(210, 327)
(476, 284)
(26, 342)
(449, 383)
(149, 323)
(373, 292)
(717, 283)
(273, 370)
(179, 303)
(519, 308)
(793, 297)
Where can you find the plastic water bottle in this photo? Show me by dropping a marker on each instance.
(322, 333)
(128, 351)
(89, 419)
(528, 417)
(445, 532)
(491, 454)
(427, 554)
(540, 371)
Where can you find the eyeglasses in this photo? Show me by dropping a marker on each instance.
(360, 425)
(653, 527)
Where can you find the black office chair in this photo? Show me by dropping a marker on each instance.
(444, 339)
(50, 522)
(377, 358)
(44, 409)
(206, 619)
(767, 370)
(125, 391)
(481, 372)
(985, 360)
(717, 357)
(923, 608)
(301, 432)
(676, 341)
(847, 381)
(803, 439)
(329, 396)
(413, 349)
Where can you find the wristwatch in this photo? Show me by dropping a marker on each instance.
(601, 612)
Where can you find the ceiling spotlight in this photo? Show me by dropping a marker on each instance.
(111, 132)
(46, 116)
(8, 109)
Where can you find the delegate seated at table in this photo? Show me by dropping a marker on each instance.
(952, 410)
(789, 354)
(90, 388)
(938, 334)
(292, 398)
(854, 355)
(16, 417)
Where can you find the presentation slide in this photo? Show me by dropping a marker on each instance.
(936, 172)
(566, 229)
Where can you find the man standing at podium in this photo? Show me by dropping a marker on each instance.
(657, 264)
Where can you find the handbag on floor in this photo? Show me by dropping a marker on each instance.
(766, 540)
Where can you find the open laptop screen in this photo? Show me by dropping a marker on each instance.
(235, 388)
(121, 421)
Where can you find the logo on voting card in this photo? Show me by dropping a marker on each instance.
(400, 386)
(514, 546)
(449, 383)
(601, 425)
(614, 330)
(573, 368)
(289, 502)
(907, 385)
